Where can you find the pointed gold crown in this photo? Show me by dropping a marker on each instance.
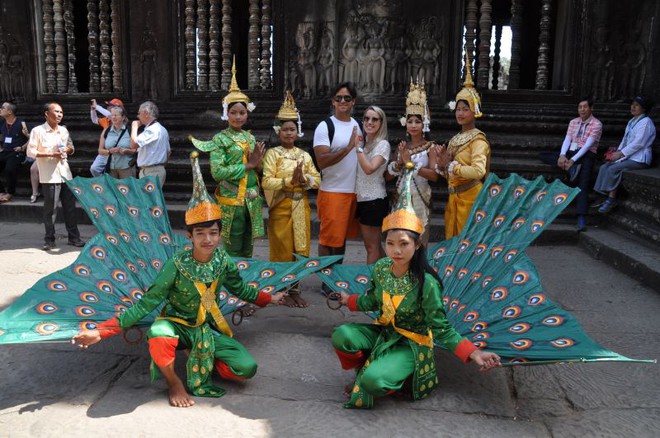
(403, 217)
(468, 93)
(288, 110)
(235, 94)
(201, 208)
(416, 99)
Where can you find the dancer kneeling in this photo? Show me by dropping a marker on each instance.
(189, 283)
(408, 295)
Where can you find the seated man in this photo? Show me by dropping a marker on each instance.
(578, 154)
(188, 283)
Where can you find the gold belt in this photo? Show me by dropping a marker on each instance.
(296, 196)
(463, 187)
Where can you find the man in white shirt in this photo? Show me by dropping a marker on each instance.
(335, 140)
(50, 144)
(152, 145)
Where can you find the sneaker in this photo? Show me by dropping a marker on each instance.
(599, 202)
(609, 204)
(581, 223)
(48, 246)
(76, 242)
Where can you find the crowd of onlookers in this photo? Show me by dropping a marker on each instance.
(354, 157)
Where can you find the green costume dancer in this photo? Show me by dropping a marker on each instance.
(189, 284)
(407, 294)
(234, 157)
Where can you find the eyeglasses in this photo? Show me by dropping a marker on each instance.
(346, 98)
(371, 119)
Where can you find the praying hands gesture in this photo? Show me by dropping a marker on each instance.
(298, 177)
(442, 155)
(256, 156)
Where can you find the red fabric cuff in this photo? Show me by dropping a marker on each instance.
(109, 328)
(225, 371)
(350, 360)
(464, 350)
(263, 299)
(163, 350)
(352, 303)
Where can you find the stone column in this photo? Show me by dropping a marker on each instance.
(470, 27)
(189, 38)
(226, 44)
(516, 24)
(485, 24)
(115, 37)
(543, 68)
(202, 45)
(70, 46)
(266, 80)
(60, 47)
(214, 46)
(92, 41)
(49, 46)
(253, 44)
(496, 58)
(104, 46)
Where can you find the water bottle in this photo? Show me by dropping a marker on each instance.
(62, 148)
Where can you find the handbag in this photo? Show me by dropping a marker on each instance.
(107, 163)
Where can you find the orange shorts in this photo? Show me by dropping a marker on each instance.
(336, 212)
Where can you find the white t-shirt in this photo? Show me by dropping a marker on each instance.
(370, 187)
(340, 177)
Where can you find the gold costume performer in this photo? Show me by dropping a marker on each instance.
(470, 158)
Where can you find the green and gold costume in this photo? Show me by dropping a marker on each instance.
(400, 342)
(237, 191)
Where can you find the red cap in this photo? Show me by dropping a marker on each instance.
(115, 102)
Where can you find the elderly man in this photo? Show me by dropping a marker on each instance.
(14, 135)
(152, 145)
(50, 144)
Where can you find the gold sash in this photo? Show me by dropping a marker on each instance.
(242, 185)
(390, 304)
(209, 304)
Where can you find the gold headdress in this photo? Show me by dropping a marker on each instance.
(416, 103)
(235, 94)
(468, 93)
(289, 112)
(201, 208)
(403, 217)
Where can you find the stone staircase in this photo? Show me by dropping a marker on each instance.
(517, 133)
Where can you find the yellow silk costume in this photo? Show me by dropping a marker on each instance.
(471, 152)
(288, 204)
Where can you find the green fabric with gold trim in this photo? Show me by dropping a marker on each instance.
(227, 151)
(420, 310)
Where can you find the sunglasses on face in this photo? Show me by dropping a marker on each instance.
(346, 98)
(371, 119)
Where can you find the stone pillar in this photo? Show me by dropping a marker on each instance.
(70, 46)
(543, 69)
(189, 38)
(485, 24)
(226, 44)
(470, 27)
(104, 46)
(115, 37)
(496, 58)
(202, 45)
(60, 47)
(266, 79)
(516, 25)
(253, 44)
(92, 41)
(214, 46)
(49, 46)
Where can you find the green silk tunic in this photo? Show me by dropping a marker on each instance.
(175, 286)
(228, 154)
(420, 311)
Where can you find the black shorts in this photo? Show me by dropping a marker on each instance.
(372, 213)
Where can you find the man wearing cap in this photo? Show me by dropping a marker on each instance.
(152, 145)
(98, 166)
(634, 152)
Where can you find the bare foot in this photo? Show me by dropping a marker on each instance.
(179, 397)
(289, 302)
(299, 302)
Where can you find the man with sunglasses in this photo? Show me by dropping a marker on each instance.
(335, 140)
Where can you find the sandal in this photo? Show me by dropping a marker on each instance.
(33, 198)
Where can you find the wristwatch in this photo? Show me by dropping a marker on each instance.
(360, 150)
